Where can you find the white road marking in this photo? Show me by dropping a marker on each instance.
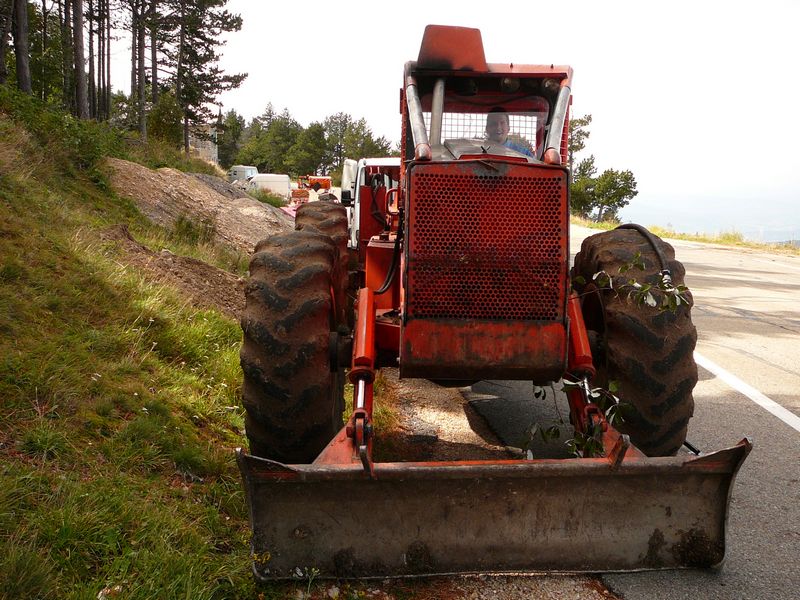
(788, 417)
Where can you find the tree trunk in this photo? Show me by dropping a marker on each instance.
(141, 64)
(153, 22)
(68, 90)
(45, 14)
(108, 60)
(181, 43)
(81, 89)
(186, 133)
(101, 55)
(92, 74)
(179, 76)
(21, 46)
(6, 8)
(134, 50)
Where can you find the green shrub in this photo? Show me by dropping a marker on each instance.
(68, 141)
(158, 153)
(267, 198)
(165, 120)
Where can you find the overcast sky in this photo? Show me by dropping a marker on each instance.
(698, 98)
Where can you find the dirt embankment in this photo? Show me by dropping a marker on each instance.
(166, 195)
(202, 285)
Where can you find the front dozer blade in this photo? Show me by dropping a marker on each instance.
(411, 519)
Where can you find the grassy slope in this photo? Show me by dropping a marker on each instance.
(119, 403)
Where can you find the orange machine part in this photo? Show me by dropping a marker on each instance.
(456, 48)
(485, 271)
(580, 353)
(379, 255)
(372, 217)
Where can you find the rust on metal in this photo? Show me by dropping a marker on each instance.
(482, 349)
(452, 48)
(490, 516)
(485, 271)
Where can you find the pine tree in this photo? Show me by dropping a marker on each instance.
(198, 78)
(81, 88)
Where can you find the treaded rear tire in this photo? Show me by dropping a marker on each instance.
(330, 218)
(293, 401)
(648, 352)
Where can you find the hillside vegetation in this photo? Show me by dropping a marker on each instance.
(120, 397)
(119, 400)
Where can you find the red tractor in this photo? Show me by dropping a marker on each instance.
(468, 278)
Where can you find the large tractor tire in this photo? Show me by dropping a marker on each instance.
(648, 352)
(330, 218)
(292, 396)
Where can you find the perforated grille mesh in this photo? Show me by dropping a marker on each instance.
(486, 245)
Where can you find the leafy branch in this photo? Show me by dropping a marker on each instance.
(614, 410)
(581, 444)
(586, 445)
(663, 294)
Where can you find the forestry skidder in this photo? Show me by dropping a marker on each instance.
(469, 279)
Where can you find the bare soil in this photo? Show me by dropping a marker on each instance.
(435, 423)
(203, 285)
(167, 195)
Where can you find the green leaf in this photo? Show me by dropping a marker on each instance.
(551, 433)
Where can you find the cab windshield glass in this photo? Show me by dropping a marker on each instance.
(512, 126)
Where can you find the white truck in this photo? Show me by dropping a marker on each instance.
(274, 183)
(241, 173)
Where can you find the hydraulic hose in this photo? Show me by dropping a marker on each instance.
(375, 184)
(653, 242)
(395, 259)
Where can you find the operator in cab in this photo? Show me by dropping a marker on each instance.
(497, 129)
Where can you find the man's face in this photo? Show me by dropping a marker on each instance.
(497, 127)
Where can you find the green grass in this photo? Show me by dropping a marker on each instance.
(157, 154)
(728, 238)
(120, 404)
(267, 198)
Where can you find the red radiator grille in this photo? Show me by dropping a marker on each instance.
(486, 243)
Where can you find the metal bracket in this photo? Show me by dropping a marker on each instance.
(362, 434)
(617, 452)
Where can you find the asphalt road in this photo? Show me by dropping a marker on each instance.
(748, 325)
